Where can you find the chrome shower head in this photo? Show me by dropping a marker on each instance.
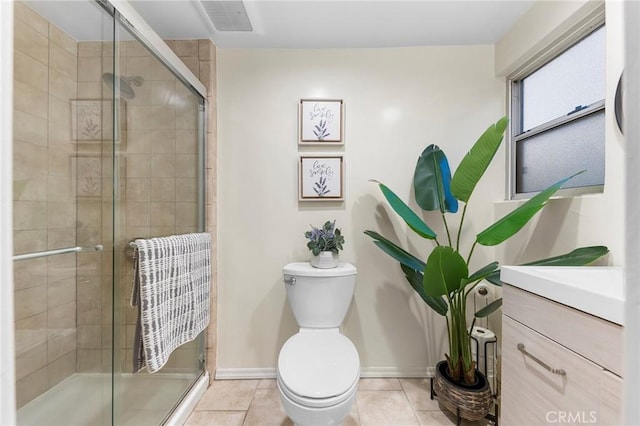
(126, 91)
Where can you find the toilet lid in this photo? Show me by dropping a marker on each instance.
(304, 269)
(318, 364)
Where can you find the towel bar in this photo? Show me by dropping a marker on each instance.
(129, 249)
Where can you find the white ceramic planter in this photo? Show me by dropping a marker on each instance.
(325, 260)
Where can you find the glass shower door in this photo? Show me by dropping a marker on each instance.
(159, 163)
(63, 127)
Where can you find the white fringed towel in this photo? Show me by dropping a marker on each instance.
(172, 281)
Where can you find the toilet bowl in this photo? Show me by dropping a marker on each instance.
(318, 373)
(318, 367)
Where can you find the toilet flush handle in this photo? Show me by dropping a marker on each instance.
(290, 280)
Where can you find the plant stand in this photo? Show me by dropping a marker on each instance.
(491, 417)
(470, 402)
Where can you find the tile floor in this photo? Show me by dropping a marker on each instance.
(380, 402)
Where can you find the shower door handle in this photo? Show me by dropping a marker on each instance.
(35, 255)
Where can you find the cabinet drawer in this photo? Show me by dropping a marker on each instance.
(571, 327)
(532, 395)
(611, 397)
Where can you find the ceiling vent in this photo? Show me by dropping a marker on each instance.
(227, 15)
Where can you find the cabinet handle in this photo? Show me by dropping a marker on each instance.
(558, 371)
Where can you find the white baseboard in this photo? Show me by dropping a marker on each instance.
(245, 373)
(417, 372)
(367, 372)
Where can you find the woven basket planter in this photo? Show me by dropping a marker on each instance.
(470, 402)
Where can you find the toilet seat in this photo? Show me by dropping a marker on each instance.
(316, 402)
(318, 368)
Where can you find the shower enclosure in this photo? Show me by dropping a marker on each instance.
(108, 147)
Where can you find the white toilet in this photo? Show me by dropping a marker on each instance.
(318, 367)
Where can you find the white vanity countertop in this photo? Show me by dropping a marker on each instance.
(597, 290)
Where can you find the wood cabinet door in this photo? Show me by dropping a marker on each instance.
(533, 395)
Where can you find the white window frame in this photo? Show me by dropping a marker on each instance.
(554, 49)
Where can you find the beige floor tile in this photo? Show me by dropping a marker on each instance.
(382, 408)
(380, 402)
(215, 418)
(441, 418)
(418, 393)
(434, 418)
(267, 384)
(228, 395)
(379, 384)
(266, 409)
(353, 419)
(267, 400)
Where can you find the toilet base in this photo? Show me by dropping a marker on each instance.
(310, 416)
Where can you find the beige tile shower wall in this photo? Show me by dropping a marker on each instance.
(44, 203)
(94, 194)
(200, 57)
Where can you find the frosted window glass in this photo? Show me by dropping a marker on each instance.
(547, 157)
(576, 78)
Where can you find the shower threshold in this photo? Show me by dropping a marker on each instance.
(84, 399)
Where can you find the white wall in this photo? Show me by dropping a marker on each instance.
(632, 221)
(397, 101)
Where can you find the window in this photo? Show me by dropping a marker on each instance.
(557, 124)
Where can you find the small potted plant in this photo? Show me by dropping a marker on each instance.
(325, 243)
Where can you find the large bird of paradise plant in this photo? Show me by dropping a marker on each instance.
(443, 281)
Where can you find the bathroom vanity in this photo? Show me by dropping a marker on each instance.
(562, 345)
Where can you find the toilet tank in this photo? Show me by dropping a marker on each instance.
(319, 298)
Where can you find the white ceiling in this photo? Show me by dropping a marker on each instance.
(310, 23)
(342, 23)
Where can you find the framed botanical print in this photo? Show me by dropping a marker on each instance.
(321, 122)
(321, 178)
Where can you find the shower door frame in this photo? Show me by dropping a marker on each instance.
(140, 28)
(7, 348)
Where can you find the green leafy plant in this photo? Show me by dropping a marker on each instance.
(444, 281)
(326, 238)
